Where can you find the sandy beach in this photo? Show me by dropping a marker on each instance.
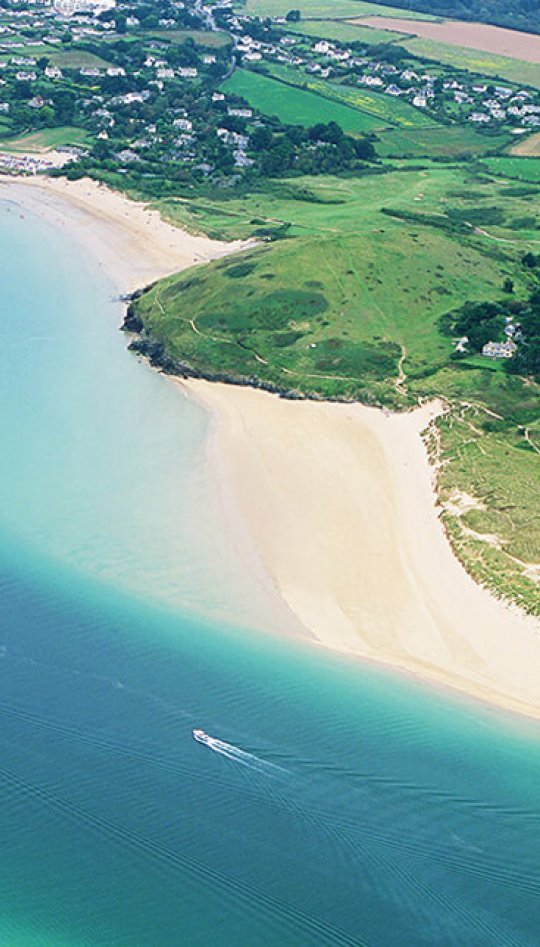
(335, 503)
(340, 502)
(127, 239)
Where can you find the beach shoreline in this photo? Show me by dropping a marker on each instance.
(335, 502)
(126, 239)
(340, 500)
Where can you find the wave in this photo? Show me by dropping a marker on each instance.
(237, 755)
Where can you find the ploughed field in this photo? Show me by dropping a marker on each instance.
(344, 297)
(489, 39)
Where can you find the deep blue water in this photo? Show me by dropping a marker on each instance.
(366, 809)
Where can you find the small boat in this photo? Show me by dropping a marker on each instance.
(201, 737)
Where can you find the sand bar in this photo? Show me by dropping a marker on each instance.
(340, 502)
(488, 39)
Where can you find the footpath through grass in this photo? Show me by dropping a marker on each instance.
(346, 304)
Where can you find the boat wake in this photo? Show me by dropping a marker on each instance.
(235, 754)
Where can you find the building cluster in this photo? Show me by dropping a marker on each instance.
(456, 95)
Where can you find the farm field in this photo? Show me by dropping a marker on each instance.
(387, 109)
(45, 140)
(296, 106)
(478, 36)
(529, 146)
(520, 169)
(35, 51)
(75, 59)
(343, 31)
(64, 58)
(483, 64)
(439, 140)
(325, 9)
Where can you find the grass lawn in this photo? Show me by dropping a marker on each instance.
(439, 140)
(296, 106)
(520, 169)
(45, 139)
(387, 109)
(484, 64)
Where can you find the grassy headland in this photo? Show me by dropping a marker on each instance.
(348, 304)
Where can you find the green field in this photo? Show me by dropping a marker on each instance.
(484, 64)
(388, 110)
(64, 58)
(439, 140)
(45, 140)
(326, 9)
(520, 169)
(75, 59)
(342, 31)
(296, 106)
(381, 276)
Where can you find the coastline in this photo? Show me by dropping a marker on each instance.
(333, 503)
(130, 242)
(341, 505)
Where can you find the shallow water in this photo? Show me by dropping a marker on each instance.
(353, 806)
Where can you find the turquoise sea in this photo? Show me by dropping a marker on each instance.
(353, 806)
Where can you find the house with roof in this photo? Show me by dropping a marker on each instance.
(499, 349)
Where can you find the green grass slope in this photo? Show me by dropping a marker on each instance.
(347, 305)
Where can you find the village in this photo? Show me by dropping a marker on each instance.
(438, 89)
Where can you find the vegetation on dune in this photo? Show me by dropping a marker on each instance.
(489, 490)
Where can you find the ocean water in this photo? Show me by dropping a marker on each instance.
(349, 806)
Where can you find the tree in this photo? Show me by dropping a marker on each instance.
(508, 285)
(261, 138)
(293, 16)
(530, 260)
(64, 102)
